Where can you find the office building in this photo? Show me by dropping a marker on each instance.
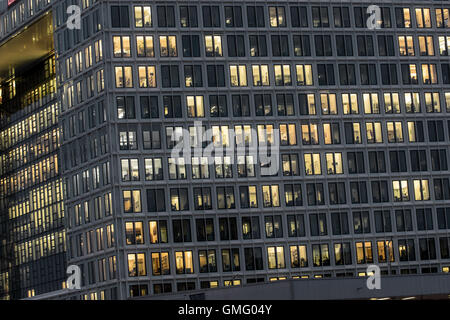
(356, 120)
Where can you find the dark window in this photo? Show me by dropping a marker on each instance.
(365, 45)
(236, 46)
(211, 16)
(181, 230)
(368, 74)
(318, 224)
(170, 76)
(120, 17)
(344, 45)
(216, 75)
(380, 191)
(205, 229)
(188, 16)
(361, 222)
(166, 16)
(341, 17)
(323, 45)
(403, 220)
(258, 45)
(156, 200)
(255, 16)
(320, 17)
(233, 16)
(302, 47)
(149, 107)
(339, 223)
(397, 161)
(325, 73)
(383, 221)
(424, 219)
(299, 17)
(228, 229)
(191, 46)
(296, 225)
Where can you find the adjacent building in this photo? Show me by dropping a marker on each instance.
(355, 120)
(32, 236)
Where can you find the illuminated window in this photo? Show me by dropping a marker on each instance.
(442, 18)
(271, 196)
(238, 75)
(145, 46)
(277, 17)
(130, 169)
(122, 47)
(136, 265)
(177, 168)
(312, 163)
(432, 103)
(265, 134)
(426, 46)
(183, 262)
(371, 104)
(134, 232)
(282, 75)
(334, 163)
(310, 134)
(331, 133)
(391, 102)
(160, 263)
(290, 164)
(124, 77)
(307, 104)
(409, 73)
(406, 45)
(288, 136)
(328, 103)
(373, 132)
(364, 252)
(245, 166)
(142, 16)
(385, 251)
(158, 231)
(260, 75)
(168, 46)
(423, 18)
(429, 75)
(400, 190)
(352, 133)
(304, 74)
(421, 190)
(213, 46)
(350, 103)
(403, 17)
(275, 257)
(394, 131)
(147, 76)
(132, 200)
(225, 198)
(412, 102)
(195, 106)
(200, 168)
(299, 257)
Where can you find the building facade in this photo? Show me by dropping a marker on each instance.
(32, 236)
(355, 121)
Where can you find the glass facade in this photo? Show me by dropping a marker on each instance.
(32, 247)
(359, 118)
